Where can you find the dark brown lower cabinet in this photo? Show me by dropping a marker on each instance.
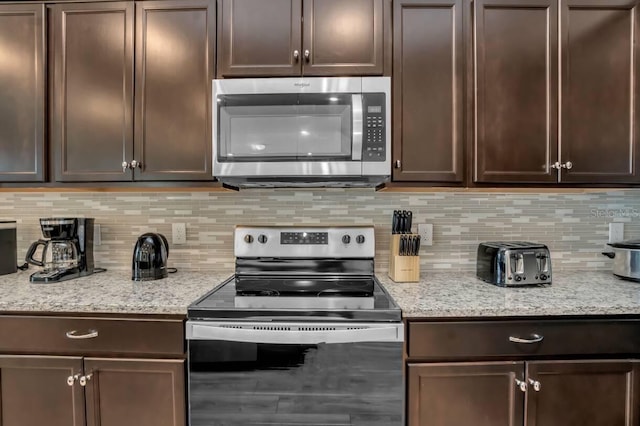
(34, 391)
(478, 394)
(132, 392)
(93, 384)
(531, 393)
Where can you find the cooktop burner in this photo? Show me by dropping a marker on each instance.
(330, 302)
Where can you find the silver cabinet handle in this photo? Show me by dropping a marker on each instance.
(536, 385)
(85, 379)
(296, 55)
(556, 165)
(535, 338)
(522, 385)
(135, 164)
(397, 164)
(568, 165)
(307, 54)
(90, 335)
(72, 379)
(125, 166)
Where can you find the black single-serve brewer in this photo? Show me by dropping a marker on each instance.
(68, 252)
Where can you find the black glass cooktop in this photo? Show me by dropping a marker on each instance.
(297, 298)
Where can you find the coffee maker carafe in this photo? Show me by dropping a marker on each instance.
(68, 252)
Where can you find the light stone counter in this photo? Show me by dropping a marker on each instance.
(438, 295)
(106, 292)
(450, 294)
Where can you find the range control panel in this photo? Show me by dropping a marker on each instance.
(305, 242)
(374, 137)
(304, 237)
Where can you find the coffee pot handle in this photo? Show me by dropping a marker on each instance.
(32, 250)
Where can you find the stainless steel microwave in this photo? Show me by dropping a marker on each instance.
(302, 131)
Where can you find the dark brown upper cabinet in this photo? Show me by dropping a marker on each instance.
(293, 37)
(93, 103)
(600, 111)
(175, 43)
(516, 50)
(521, 135)
(428, 80)
(22, 97)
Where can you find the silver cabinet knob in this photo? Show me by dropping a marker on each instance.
(307, 54)
(536, 385)
(296, 55)
(522, 385)
(397, 164)
(125, 166)
(85, 379)
(135, 164)
(72, 379)
(568, 165)
(556, 165)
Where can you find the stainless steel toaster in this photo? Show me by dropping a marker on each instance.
(513, 263)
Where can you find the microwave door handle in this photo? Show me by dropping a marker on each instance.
(357, 128)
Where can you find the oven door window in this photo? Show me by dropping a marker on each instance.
(306, 127)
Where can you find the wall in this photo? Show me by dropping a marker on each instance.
(574, 225)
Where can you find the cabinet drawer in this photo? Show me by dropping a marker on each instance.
(493, 339)
(48, 335)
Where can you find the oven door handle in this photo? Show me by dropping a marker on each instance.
(308, 334)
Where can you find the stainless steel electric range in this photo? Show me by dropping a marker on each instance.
(302, 334)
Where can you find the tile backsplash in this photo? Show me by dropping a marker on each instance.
(573, 225)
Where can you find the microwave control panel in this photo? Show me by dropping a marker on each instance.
(374, 141)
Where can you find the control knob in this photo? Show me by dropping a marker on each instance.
(248, 238)
(346, 239)
(360, 239)
(262, 238)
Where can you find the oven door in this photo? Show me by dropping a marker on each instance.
(295, 374)
(275, 128)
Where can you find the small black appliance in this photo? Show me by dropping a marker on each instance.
(513, 263)
(7, 247)
(150, 257)
(68, 252)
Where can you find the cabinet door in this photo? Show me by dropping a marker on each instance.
(34, 391)
(593, 393)
(174, 67)
(600, 111)
(343, 37)
(135, 392)
(428, 71)
(92, 121)
(516, 90)
(479, 394)
(22, 93)
(259, 38)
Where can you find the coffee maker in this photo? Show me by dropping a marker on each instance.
(68, 252)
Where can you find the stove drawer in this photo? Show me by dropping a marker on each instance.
(91, 336)
(460, 340)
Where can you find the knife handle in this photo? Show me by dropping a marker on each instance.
(409, 220)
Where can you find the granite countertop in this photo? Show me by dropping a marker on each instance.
(106, 292)
(438, 295)
(450, 294)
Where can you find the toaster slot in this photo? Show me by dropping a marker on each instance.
(517, 263)
(543, 262)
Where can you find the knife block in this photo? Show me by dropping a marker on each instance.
(402, 268)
